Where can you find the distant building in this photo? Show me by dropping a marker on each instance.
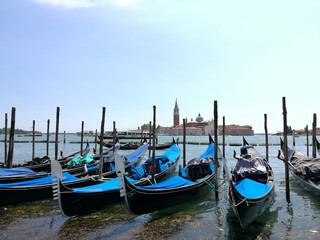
(200, 127)
(176, 115)
(236, 130)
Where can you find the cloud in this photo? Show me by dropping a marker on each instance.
(74, 4)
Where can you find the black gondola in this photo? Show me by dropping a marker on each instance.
(305, 170)
(41, 188)
(29, 172)
(251, 185)
(196, 179)
(78, 201)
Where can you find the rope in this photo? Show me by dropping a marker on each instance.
(102, 179)
(244, 200)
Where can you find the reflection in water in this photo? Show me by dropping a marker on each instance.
(261, 228)
(106, 221)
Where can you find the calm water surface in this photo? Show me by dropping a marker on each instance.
(205, 218)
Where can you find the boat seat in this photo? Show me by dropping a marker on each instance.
(198, 171)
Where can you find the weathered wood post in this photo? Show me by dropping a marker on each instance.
(11, 137)
(307, 134)
(154, 143)
(223, 137)
(48, 134)
(216, 150)
(33, 137)
(81, 139)
(314, 136)
(266, 136)
(95, 141)
(114, 136)
(64, 136)
(184, 142)
(150, 130)
(6, 139)
(285, 150)
(57, 134)
(101, 142)
(223, 141)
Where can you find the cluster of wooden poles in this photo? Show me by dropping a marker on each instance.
(8, 152)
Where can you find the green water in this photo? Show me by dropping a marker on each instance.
(205, 218)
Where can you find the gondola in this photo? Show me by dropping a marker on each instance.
(196, 179)
(40, 170)
(135, 145)
(41, 188)
(305, 170)
(43, 165)
(78, 201)
(251, 185)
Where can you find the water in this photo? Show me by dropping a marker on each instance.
(205, 218)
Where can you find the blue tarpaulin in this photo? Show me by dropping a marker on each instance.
(16, 172)
(66, 177)
(173, 182)
(251, 189)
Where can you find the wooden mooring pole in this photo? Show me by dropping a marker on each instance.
(223, 137)
(11, 137)
(114, 136)
(33, 137)
(153, 144)
(216, 150)
(150, 129)
(101, 142)
(314, 136)
(307, 134)
(81, 139)
(184, 142)
(57, 134)
(285, 138)
(95, 141)
(266, 136)
(48, 135)
(6, 139)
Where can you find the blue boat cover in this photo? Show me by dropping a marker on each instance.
(139, 171)
(134, 156)
(172, 154)
(251, 189)
(66, 177)
(111, 185)
(209, 152)
(16, 172)
(173, 182)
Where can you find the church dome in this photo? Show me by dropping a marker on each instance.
(199, 118)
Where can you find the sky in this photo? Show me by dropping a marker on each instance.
(131, 55)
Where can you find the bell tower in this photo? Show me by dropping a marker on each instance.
(176, 116)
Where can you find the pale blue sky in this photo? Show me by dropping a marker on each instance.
(128, 55)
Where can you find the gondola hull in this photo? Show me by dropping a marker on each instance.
(251, 187)
(43, 169)
(23, 194)
(141, 201)
(74, 203)
(247, 210)
(310, 186)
